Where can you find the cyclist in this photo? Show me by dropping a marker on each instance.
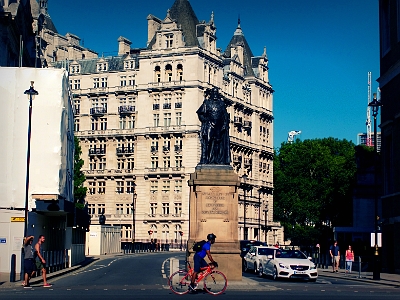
(199, 261)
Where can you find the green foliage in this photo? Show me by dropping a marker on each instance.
(313, 181)
(79, 177)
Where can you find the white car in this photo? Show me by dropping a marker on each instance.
(288, 264)
(252, 259)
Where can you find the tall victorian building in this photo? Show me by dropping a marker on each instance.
(135, 115)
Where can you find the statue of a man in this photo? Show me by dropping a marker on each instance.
(214, 134)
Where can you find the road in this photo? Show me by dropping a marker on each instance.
(144, 276)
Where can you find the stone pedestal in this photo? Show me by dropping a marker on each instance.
(214, 209)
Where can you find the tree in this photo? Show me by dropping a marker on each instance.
(79, 177)
(313, 181)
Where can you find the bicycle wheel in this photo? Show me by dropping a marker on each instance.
(179, 282)
(215, 283)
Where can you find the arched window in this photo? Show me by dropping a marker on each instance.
(157, 72)
(168, 72)
(154, 234)
(165, 234)
(179, 70)
(177, 235)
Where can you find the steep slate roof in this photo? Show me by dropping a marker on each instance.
(89, 66)
(182, 12)
(238, 38)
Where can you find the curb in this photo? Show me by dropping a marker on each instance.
(362, 280)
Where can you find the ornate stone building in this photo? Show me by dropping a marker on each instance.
(135, 115)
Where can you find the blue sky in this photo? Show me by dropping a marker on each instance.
(319, 51)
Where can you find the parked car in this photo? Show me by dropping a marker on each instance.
(245, 246)
(288, 264)
(256, 254)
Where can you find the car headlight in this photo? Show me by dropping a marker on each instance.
(313, 267)
(283, 266)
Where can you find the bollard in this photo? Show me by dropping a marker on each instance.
(13, 267)
(359, 267)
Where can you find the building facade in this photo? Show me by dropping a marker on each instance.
(362, 139)
(135, 115)
(389, 82)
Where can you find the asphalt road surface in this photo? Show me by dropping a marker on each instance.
(144, 276)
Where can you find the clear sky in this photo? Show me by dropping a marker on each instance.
(319, 51)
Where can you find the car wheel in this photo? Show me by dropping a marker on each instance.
(260, 271)
(255, 268)
(245, 268)
(313, 280)
(275, 274)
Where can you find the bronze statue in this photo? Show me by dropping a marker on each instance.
(214, 134)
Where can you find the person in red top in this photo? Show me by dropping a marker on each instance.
(349, 259)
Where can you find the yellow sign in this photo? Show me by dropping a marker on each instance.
(17, 219)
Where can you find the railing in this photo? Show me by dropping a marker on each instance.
(99, 110)
(97, 151)
(126, 109)
(148, 246)
(125, 150)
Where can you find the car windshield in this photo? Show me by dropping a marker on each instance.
(290, 254)
(262, 251)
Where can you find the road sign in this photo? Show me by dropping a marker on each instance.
(17, 219)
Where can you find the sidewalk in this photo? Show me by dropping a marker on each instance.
(386, 278)
(5, 277)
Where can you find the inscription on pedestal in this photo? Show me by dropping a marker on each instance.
(214, 204)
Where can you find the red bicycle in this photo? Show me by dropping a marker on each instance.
(215, 282)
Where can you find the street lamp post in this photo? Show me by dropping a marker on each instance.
(245, 234)
(31, 93)
(181, 233)
(375, 104)
(134, 218)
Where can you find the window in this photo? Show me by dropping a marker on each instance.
(77, 84)
(130, 163)
(129, 208)
(166, 186)
(167, 101)
(179, 71)
(101, 209)
(154, 162)
(119, 210)
(154, 145)
(178, 161)
(101, 187)
(169, 40)
(126, 122)
(178, 118)
(178, 208)
(120, 187)
(92, 187)
(104, 82)
(130, 187)
(131, 80)
(91, 209)
(76, 124)
(178, 186)
(103, 124)
(167, 162)
(167, 119)
(153, 208)
(96, 82)
(178, 143)
(102, 163)
(102, 66)
(157, 72)
(156, 120)
(77, 106)
(168, 72)
(74, 69)
(123, 81)
(165, 208)
(153, 186)
(120, 163)
(92, 163)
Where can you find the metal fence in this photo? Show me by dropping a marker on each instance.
(152, 247)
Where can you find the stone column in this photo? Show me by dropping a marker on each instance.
(213, 208)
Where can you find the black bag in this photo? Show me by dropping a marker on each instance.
(197, 247)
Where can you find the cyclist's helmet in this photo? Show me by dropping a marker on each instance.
(211, 236)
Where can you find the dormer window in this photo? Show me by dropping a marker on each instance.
(74, 69)
(130, 64)
(169, 40)
(102, 66)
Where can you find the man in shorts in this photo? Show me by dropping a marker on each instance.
(40, 261)
(199, 261)
(335, 255)
(29, 261)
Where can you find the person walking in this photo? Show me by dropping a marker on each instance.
(335, 255)
(29, 261)
(199, 261)
(40, 261)
(349, 259)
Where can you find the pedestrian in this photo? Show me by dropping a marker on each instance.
(335, 255)
(349, 259)
(29, 261)
(40, 261)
